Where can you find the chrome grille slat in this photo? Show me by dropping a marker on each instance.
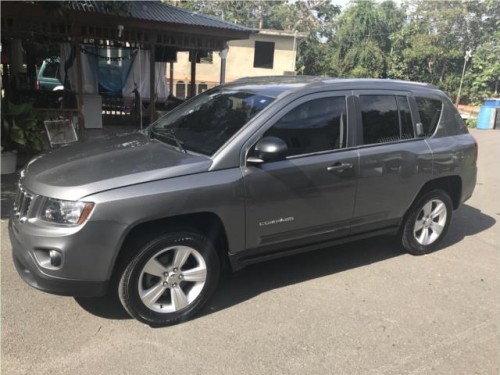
(22, 204)
(17, 201)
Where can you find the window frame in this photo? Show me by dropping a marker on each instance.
(350, 122)
(359, 120)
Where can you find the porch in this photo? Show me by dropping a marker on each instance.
(89, 35)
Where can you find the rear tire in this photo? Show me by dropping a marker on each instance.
(170, 278)
(427, 222)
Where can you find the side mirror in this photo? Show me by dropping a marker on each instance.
(268, 148)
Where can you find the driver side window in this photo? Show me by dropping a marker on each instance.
(314, 126)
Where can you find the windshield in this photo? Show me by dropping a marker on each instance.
(204, 124)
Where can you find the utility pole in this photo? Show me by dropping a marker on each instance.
(467, 56)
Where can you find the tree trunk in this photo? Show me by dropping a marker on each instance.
(443, 71)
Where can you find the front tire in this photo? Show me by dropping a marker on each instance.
(170, 278)
(427, 223)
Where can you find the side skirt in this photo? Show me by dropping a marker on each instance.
(251, 256)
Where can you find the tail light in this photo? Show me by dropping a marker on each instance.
(37, 85)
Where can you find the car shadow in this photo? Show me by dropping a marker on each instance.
(466, 221)
(259, 278)
(256, 279)
(108, 306)
(262, 277)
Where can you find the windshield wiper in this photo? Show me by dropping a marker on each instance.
(169, 134)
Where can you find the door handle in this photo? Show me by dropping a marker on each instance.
(339, 167)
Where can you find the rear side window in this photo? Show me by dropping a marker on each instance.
(385, 118)
(51, 70)
(430, 113)
(314, 126)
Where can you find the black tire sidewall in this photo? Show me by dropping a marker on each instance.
(407, 237)
(128, 286)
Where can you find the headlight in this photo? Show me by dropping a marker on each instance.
(66, 212)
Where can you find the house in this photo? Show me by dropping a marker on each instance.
(267, 53)
(151, 30)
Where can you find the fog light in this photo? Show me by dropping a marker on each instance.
(55, 258)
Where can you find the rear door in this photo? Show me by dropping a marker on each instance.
(308, 196)
(394, 163)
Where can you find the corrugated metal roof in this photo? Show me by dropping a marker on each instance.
(159, 12)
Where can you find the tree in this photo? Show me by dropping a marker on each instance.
(431, 46)
(248, 13)
(362, 39)
(115, 7)
(483, 78)
(318, 19)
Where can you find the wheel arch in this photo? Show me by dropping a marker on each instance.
(207, 223)
(452, 185)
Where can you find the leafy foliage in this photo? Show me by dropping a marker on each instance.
(248, 13)
(318, 19)
(20, 128)
(114, 7)
(361, 41)
(431, 47)
(484, 76)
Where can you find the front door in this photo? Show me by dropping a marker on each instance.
(308, 196)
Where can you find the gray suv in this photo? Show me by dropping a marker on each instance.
(248, 171)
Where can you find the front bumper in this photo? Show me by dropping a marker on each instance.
(87, 255)
(31, 273)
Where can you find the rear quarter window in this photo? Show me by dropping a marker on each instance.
(461, 125)
(430, 112)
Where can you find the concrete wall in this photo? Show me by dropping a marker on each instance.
(239, 62)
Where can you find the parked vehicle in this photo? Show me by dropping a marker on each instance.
(248, 171)
(109, 77)
(48, 77)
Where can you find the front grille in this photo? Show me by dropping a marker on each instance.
(22, 204)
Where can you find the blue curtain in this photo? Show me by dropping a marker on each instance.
(112, 66)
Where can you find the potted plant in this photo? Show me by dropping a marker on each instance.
(19, 131)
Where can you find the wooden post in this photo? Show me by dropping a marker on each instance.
(193, 73)
(81, 118)
(223, 57)
(171, 78)
(31, 68)
(222, 70)
(152, 111)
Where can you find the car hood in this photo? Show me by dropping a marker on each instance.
(88, 167)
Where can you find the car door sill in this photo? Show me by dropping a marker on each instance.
(251, 256)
